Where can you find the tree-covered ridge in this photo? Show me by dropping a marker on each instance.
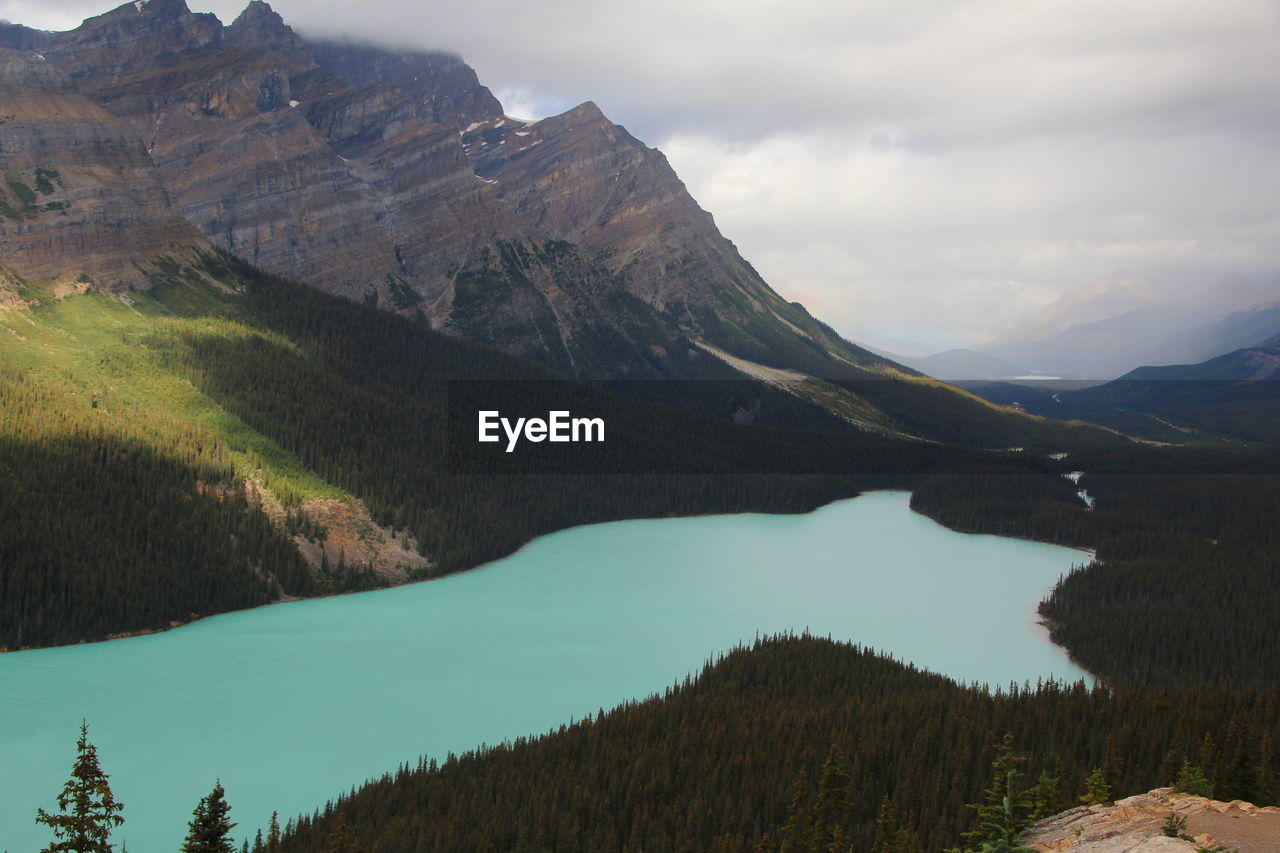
(1186, 586)
(362, 398)
(228, 376)
(103, 532)
(726, 761)
(222, 390)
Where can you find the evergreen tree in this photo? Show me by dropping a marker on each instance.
(1191, 780)
(833, 800)
(1266, 791)
(210, 827)
(799, 823)
(1175, 826)
(89, 811)
(1007, 804)
(273, 833)
(886, 828)
(1111, 764)
(340, 837)
(1045, 796)
(1096, 790)
(1241, 774)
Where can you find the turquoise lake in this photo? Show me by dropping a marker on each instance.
(293, 704)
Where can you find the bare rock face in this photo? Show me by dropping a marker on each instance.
(1134, 825)
(394, 178)
(580, 178)
(80, 195)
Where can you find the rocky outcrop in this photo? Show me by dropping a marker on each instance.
(80, 197)
(1135, 825)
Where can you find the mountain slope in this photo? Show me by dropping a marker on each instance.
(394, 179)
(1103, 330)
(1238, 330)
(1233, 397)
(80, 193)
(1250, 363)
(343, 167)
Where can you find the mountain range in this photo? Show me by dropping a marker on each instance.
(1102, 331)
(248, 279)
(395, 179)
(1232, 396)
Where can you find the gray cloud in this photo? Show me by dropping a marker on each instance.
(912, 168)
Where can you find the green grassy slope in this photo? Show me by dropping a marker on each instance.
(259, 398)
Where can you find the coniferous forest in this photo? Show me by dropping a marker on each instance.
(308, 395)
(126, 505)
(799, 743)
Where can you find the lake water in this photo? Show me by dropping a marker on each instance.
(292, 704)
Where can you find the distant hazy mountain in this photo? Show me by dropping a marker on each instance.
(1106, 348)
(1250, 363)
(1080, 305)
(963, 364)
(1106, 329)
(1232, 396)
(1238, 330)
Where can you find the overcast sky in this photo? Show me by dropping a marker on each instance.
(918, 169)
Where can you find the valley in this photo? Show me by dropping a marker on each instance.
(257, 289)
(574, 622)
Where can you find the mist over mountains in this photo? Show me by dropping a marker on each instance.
(1101, 331)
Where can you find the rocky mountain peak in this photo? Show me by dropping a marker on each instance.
(144, 31)
(18, 37)
(260, 28)
(394, 177)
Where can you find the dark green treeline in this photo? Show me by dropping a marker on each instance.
(362, 398)
(104, 530)
(1187, 586)
(713, 765)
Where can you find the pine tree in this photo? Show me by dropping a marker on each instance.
(1191, 780)
(210, 828)
(886, 828)
(340, 838)
(1045, 796)
(89, 810)
(1096, 790)
(273, 833)
(795, 832)
(1175, 826)
(1111, 765)
(833, 800)
(1004, 813)
(1266, 791)
(1241, 774)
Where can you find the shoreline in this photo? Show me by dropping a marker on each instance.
(1036, 624)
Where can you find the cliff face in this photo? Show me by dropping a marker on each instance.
(80, 195)
(1134, 825)
(394, 178)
